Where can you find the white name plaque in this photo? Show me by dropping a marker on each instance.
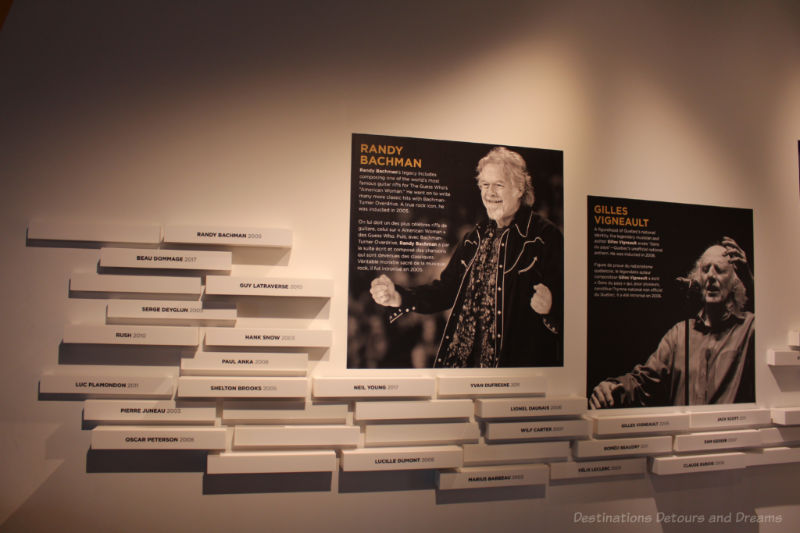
(783, 357)
(168, 313)
(367, 387)
(121, 334)
(587, 449)
(507, 454)
(729, 419)
(46, 230)
(684, 464)
(123, 285)
(413, 410)
(641, 424)
(774, 456)
(717, 440)
(108, 385)
(147, 412)
(228, 236)
(401, 458)
(253, 286)
(158, 438)
(245, 364)
(279, 338)
(550, 429)
(467, 387)
(272, 462)
(320, 436)
(780, 436)
(588, 469)
(241, 387)
(164, 259)
(786, 416)
(410, 434)
(529, 407)
(282, 412)
(481, 477)
(793, 338)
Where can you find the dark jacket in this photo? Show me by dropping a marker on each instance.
(531, 252)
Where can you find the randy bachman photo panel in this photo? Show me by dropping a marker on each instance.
(456, 255)
(670, 288)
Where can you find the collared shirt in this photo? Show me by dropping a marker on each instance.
(721, 365)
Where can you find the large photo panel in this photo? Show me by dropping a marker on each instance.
(669, 284)
(456, 255)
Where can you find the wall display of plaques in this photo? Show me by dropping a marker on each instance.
(258, 409)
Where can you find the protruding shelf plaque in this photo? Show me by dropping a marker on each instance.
(283, 412)
(255, 286)
(318, 436)
(371, 387)
(786, 416)
(158, 438)
(148, 412)
(417, 434)
(164, 259)
(482, 477)
(121, 334)
(729, 419)
(538, 430)
(684, 464)
(717, 440)
(793, 339)
(279, 338)
(780, 436)
(245, 364)
(499, 408)
(774, 456)
(589, 469)
(271, 462)
(650, 424)
(600, 448)
(241, 387)
(168, 313)
(44, 230)
(783, 357)
(228, 236)
(413, 410)
(108, 385)
(465, 387)
(401, 458)
(137, 286)
(517, 453)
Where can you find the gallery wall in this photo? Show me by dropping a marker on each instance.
(242, 113)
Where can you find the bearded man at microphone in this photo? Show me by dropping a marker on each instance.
(721, 344)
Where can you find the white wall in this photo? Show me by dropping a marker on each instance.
(241, 112)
